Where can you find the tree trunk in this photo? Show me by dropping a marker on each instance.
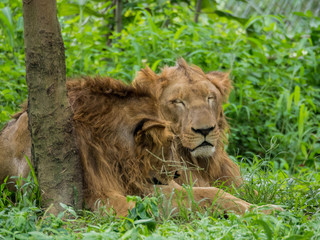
(198, 10)
(118, 15)
(54, 151)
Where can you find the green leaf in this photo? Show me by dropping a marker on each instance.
(69, 9)
(296, 95)
(7, 12)
(266, 228)
(178, 33)
(145, 220)
(307, 235)
(302, 114)
(289, 102)
(39, 235)
(304, 151)
(155, 65)
(243, 21)
(6, 23)
(32, 170)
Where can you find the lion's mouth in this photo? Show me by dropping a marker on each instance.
(204, 144)
(205, 149)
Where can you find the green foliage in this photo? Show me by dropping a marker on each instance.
(273, 112)
(12, 71)
(26, 193)
(298, 192)
(144, 213)
(275, 101)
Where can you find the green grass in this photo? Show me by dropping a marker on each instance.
(298, 194)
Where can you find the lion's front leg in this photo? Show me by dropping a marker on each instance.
(206, 197)
(120, 204)
(211, 196)
(111, 200)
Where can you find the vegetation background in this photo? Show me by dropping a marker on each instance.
(272, 50)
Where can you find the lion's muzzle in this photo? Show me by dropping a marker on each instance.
(203, 152)
(205, 149)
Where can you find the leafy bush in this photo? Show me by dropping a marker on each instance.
(12, 71)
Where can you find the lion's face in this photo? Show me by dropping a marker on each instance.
(192, 101)
(194, 109)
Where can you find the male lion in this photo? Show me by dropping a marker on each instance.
(125, 146)
(192, 102)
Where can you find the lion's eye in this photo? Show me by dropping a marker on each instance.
(211, 99)
(177, 102)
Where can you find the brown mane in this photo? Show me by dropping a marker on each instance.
(120, 136)
(111, 121)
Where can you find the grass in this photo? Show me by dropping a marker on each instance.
(299, 194)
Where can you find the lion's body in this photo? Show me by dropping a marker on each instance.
(131, 137)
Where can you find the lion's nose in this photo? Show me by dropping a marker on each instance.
(203, 131)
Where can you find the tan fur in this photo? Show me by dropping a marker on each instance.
(202, 96)
(14, 145)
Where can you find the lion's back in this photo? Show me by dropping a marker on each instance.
(15, 144)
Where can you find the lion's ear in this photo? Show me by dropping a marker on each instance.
(222, 81)
(145, 79)
(153, 124)
(155, 130)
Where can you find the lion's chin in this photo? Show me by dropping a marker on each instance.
(203, 152)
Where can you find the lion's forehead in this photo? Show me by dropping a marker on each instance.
(192, 90)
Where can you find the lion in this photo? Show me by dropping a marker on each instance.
(192, 102)
(126, 147)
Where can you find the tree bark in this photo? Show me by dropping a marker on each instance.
(54, 151)
(118, 15)
(198, 10)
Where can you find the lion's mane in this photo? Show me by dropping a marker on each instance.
(119, 134)
(123, 143)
